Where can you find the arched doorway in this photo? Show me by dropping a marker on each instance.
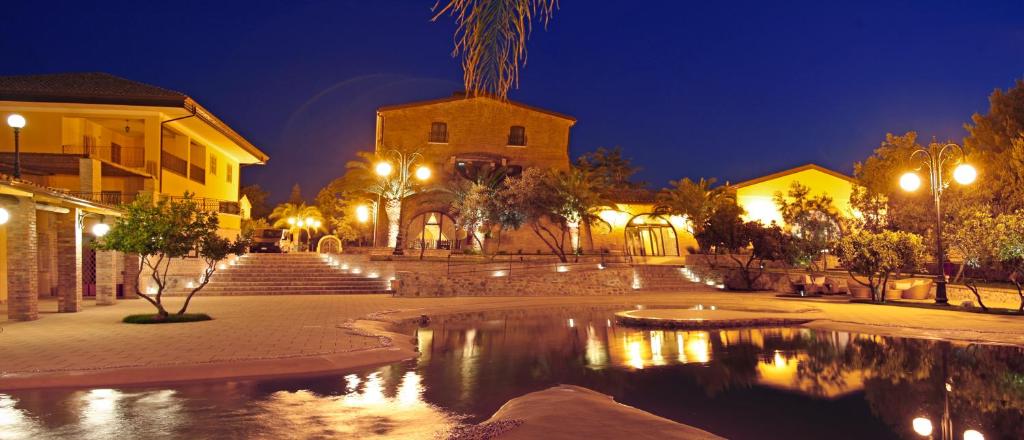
(651, 235)
(432, 230)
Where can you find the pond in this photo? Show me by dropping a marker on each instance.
(744, 384)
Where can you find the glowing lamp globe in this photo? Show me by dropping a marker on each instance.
(922, 426)
(422, 173)
(291, 220)
(910, 182)
(100, 229)
(362, 213)
(383, 169)
(971, 434)
(16, 121)
(965, 174)
(5, 216)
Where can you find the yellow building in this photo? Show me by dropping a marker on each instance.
(91, 142)
(756, 196)
(107, 139)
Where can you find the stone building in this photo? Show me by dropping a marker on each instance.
(90, 143)
(460, 137)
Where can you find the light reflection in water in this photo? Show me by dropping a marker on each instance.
(474, 365)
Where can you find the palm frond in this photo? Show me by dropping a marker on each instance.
(491, 37)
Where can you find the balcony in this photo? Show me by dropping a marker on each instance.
(131, 157)
(113, 198)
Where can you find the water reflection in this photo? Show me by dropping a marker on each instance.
(780, 382)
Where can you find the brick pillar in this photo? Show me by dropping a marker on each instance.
(90, 175)
(131, 275)
(107, 275)
(22, 261)
(69, 262)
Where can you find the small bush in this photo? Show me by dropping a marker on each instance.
(153, 318)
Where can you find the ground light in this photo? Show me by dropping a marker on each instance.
(971, 434)
(922, 426)
(5, 216)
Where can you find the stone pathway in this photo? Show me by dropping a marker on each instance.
(246, 329)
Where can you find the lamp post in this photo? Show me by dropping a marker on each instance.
(383, 169)
(17, 122)
(395, 189)
(934, 157)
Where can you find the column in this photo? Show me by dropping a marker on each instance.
(69, 262)
(90, 175)
(131, 275)
(22, 261)
(106, 277)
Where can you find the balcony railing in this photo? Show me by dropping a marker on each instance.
(174, 164)
(132, 157)
(112, 198)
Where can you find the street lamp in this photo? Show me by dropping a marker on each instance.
(17, 122)
(934, 158)
(383, 169)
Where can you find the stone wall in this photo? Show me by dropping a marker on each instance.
(609, 281)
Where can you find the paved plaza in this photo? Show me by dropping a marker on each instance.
(252, 336)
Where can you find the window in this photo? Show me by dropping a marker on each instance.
(517, 136)
(213, 165)
(438, 132)
(230, 171)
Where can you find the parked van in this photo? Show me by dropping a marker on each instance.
(267, 240)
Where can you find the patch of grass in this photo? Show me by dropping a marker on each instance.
(153, 318)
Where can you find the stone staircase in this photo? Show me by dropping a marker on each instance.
(669, 278)
(304, 273)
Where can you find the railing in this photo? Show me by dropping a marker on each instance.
(117, 199)
(197, 173)
(211, 205)
(132, 157)
(174, 164)
(107, 198)
(524, 265)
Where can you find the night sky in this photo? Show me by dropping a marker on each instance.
(726, 89)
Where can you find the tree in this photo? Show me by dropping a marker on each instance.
(491, 36)
(748, 244)
(813, 222)
(696, 201)
(879, 175)
(976, 236)
(297, 218)
(338, 203)
(540, 204)
(295, 197)
(473, 203)
(609, 168)
(1010, 249)
(878, 256)
(582, 196)
(258, 199)
(996, 143)
(392, 188)
(164, 231)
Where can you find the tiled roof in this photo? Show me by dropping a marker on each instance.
(461, 96)
(104, 88)
(798, 169)
(93, 87)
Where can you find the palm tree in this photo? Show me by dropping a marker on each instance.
(491, 36)
(402, 180)
(583, 196)
(472, 202)
(696, 201)
(297, 218)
